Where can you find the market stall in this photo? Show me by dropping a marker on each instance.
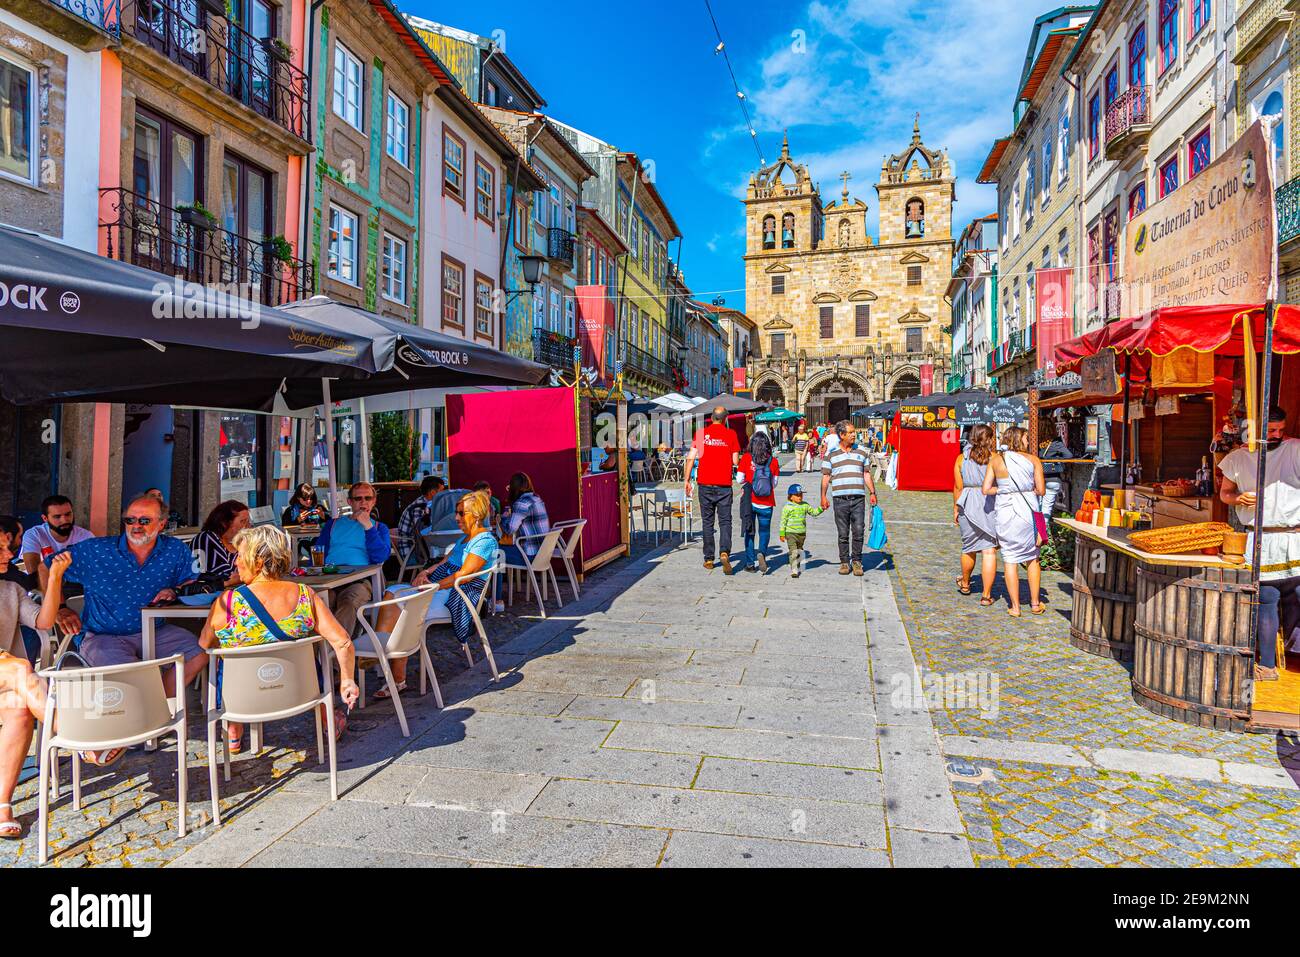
(490, 436)
(1193, 381)
(926, 437)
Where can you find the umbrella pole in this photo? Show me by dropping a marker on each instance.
(327, 408)
(1123, 426)
(1260, 463)
(367, 466)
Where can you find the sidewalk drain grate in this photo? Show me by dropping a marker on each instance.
(967, 773)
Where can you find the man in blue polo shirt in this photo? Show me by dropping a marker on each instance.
(358, 539)
(120, 575)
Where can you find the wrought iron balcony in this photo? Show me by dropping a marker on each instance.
(197, 36)
(184, 243)
(642, 361)
(553, 349)
(1288, 211)
(103, 15)
(560, 246)
(1128, 122)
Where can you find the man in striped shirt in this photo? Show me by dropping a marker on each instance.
(846, 476)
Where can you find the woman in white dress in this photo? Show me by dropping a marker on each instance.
(974, 513)
(1016, 477)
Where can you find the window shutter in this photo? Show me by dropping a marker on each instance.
(828, 322)
(778, 285)
(862, 320)
(914, 275)
(913, 340)
(778, 345)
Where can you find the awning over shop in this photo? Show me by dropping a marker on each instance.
(1200, 328)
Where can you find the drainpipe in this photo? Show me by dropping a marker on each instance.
(993, 322)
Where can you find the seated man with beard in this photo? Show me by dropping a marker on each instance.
(121, 574)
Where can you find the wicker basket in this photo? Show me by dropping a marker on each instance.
(1181, 539)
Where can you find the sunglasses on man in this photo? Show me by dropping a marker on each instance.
(142, 522)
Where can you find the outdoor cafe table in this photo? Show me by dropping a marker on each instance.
(322, 583)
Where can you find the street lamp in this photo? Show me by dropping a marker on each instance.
(532, 266)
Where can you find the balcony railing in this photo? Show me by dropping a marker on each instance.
(1288, 211)
(1128, 121)
(553, 349)
(253, 70)
(642, 361)
(559, 246)
(180, 243)
(103, 15)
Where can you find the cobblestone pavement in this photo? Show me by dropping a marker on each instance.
(674, 717)
(1119, 785)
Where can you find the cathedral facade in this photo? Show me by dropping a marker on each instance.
(845, 320)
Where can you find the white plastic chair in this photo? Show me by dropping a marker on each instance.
(569, 549)
(406, 639)
(673, 505)
(476, 608)
(269, 682)
(539, 565)
(114, 706)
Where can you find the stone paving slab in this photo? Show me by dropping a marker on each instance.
(655, 711)
(759, 697)
(754, 745)
(521, 839)
(834, 722)
(749, 815)
(694, 849)
(789, 780)
(924, 849)
(287, 853)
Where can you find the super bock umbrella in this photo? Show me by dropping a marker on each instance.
(777, 415)
(734, 404)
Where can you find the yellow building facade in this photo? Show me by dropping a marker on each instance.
(844, 319)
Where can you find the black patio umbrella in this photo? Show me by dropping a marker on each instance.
(881, 410)
(423, 359)
(734, 404)
(77, 327)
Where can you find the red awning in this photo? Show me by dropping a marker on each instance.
(1202, 328)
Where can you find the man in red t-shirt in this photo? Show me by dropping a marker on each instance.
(718, 452)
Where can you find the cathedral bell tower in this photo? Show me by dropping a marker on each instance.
(916, 192)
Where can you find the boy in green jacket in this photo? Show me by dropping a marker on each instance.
(794, 526)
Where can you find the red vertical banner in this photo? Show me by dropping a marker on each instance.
(1054, 292)
(738, 379)
(927, 378)
(595, 315)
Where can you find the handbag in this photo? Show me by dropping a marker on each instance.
(878, 538)
(1040, 520)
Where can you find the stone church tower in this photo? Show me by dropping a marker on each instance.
(845, 320)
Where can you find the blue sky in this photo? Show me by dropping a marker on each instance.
(645, 77)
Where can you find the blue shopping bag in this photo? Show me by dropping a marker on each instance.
(878, 539)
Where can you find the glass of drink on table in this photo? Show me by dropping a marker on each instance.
(317, 556)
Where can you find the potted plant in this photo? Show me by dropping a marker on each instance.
(278, 248)
(277, 49)
(197, 216)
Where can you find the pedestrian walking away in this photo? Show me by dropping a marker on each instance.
(1016, 477)
(759, 470)
(975, 513)
(846, 478)
(802, 458)
(718, 453)
(794, 526)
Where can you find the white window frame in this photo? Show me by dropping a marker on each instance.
(334, 246)
(397, 129)
(343, 107)
(394, 280)
(33, 146)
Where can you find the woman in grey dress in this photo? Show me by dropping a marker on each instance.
(975, 513)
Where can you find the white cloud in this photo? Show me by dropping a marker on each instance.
(850, 95)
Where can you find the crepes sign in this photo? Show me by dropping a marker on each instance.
(1211, 241)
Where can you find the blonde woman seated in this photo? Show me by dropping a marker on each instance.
(1016, 478)
(267, 608)
(473, 553)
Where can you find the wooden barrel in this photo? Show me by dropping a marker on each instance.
(1193, 648)
(1105, 589)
